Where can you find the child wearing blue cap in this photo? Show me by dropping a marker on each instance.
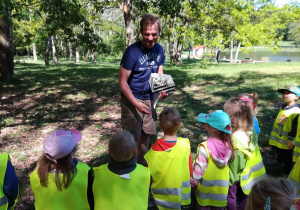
(285, 128)
(247, 166)
(211, 171)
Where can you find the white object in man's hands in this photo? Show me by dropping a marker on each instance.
(159, 82)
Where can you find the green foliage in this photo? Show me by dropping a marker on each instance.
(294, 32)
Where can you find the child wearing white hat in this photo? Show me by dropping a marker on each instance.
(60, 181)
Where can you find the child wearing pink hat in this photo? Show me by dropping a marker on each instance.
(60, 181)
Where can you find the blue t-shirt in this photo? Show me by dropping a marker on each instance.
(142, 61)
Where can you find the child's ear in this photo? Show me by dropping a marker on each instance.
(297, 98)
(180, 125)
(135, 152)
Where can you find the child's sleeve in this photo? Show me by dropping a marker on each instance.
(200, 166)
(11, 184)
(292, 134)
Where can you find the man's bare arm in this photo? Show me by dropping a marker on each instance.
(123, 77)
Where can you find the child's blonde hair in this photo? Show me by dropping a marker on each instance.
(253, 98)
(122, 146)
(63, 165)
(240, 113)
(170, 120)
(281, 193)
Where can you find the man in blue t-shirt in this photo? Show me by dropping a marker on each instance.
(138, 62)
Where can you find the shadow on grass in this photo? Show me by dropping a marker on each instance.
(68, 95)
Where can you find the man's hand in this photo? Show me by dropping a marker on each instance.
(143, 108)
(162, 94)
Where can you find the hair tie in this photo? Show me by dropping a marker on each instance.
(268, 204)
(296, 203)
(247, 99)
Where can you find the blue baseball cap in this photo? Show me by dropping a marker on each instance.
(217, 119)
(292, 88)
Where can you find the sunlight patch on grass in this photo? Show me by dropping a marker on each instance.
(78, 96)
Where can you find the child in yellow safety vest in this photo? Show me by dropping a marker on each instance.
(284, 128)
(170, 164)
(121, 184)
(9, 183)
(273, 194)
(247, 166)
(211, 171)
(61, 181)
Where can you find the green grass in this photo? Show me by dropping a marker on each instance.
(87, 97)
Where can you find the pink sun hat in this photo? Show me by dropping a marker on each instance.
(60, 143)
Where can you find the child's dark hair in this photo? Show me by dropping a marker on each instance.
(240, 113)
(63, 165)
(170, 120)
(224, 137)
(253, 97)
(122, 146)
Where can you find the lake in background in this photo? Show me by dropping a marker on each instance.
(280, 56)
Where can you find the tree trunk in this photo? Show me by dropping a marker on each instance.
(237, 52)
(54, 49)
(34, 52)
(126, 8)
(47, 51)
(28, 53)
(94, 56)
(63, 50)
(181, 40)
(218, 52)
(70, 51)
(77, 54)
(6, 53)
(231, 50)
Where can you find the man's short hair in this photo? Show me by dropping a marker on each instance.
(149, 19)
(122, 146)
(169, 120)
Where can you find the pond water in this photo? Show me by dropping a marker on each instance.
(280, 56)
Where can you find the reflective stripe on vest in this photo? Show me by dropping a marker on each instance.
(109, 188)
(170, 191)
(213, 187)
(167, 204)
(282, 126)
(253, 171)
(280, 131)
(3, 164)
(294, 177)
(296, 152)
(3, 201)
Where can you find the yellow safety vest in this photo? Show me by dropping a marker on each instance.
(116, 192)
(74, 197)
(294, 177)
(296, 152)
(253, 171)
(213, 187)
(171, 186)
(282, 126)
(3, 164)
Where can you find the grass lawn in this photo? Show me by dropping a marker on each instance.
(86, 96)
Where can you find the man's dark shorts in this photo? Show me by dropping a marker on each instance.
(135, 121)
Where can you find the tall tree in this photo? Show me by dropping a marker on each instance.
(6, 48)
